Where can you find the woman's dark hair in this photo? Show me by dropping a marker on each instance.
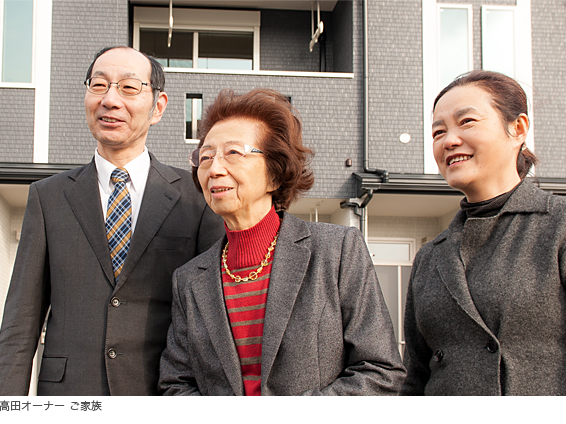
(280, 138)
(507, 97)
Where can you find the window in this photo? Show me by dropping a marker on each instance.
(179, 55)
(506, 48)
(193, 116)
(448, 51)
(498, 39)
(17, 40)
(201, 39)
(213, 49)
(225, 50)
(455, 46)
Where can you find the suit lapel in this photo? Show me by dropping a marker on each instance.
(158, 200)
(84, 198)
(209, 297)
(289, 267)
(452, 273)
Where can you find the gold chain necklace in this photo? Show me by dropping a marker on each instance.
(254, 274)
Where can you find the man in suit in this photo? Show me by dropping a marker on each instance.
(99, 245)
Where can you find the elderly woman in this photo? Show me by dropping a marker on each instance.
(486, 307)
(279, 306)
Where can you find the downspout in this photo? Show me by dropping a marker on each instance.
(379, 172)
(360, 209)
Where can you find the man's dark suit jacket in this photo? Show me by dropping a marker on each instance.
(102, 338)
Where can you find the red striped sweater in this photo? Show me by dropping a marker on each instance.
(246, 301)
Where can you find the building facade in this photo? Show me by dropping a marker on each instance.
(364, 90)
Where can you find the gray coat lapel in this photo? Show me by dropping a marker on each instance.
(289, 268)
(209, 297)
(158, 200)
(451, 268)
(525, 199)
(84, 198)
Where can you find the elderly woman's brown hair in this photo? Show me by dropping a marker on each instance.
(281, 138)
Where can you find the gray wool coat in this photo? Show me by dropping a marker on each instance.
(513, 342)
(327, 330)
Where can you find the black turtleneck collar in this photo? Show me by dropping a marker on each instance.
(486, 208)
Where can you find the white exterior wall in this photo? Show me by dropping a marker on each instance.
(405, 227)
(345, 217)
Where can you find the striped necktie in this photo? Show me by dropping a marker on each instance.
(119, 220)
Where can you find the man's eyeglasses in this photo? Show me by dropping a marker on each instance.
(126, 86)
(231, 153)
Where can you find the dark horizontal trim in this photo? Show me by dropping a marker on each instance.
(554, 185)
(27, 173)
(403, 184)
(433, 184)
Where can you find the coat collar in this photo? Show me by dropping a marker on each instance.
(289, 267)
(526, 199)
(158, 200)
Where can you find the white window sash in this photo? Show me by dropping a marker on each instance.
(522, 45)
(431, 88)
(431, 75)
(199, 20)
(35, 39)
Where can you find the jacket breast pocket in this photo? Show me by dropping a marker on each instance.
(52, 369)
(169, 243)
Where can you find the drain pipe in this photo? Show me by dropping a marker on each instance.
(360, 209)
(380, 172)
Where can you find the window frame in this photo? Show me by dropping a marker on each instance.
(30, 84)
(522, 44)
(193, 97)
(523, 66)
(485, 9)
(431, 75)
(41, 74)
(469, 9)
(199, 20)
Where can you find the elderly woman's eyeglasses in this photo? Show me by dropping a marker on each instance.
(126, 86)
(231, 153)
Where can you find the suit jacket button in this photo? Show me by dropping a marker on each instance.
(112, 353)
(438, 355)
(115, 302)
(491, 346)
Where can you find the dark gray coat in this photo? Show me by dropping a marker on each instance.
(327, 329)
(514, 342)
(63, 261)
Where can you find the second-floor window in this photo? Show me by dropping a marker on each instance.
(205, 49)
(201, 39)
(454, 42)
(16, 32)
(448, 51)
